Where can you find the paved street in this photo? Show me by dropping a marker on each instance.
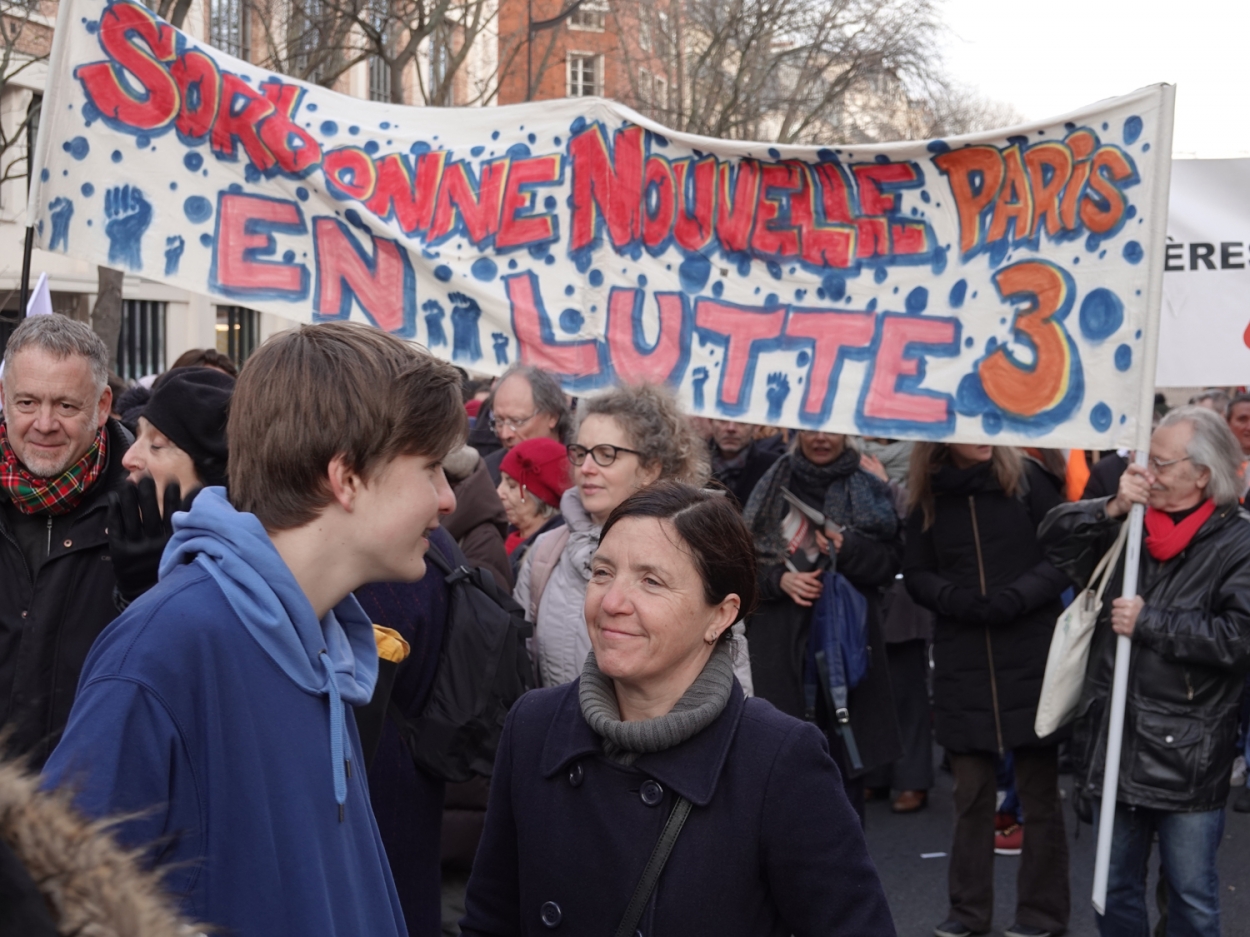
(916, 887)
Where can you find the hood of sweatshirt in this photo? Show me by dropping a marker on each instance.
(335, 657)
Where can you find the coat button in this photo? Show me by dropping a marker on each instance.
(651, 793)
(576, 775)
(68, 543)
(551, 914)
(1168, 740)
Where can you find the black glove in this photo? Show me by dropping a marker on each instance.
(138, 531)
(1001, 608)
(960, 603)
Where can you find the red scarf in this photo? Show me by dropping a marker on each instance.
(1165, 538)
(514, 540)
(32, 494)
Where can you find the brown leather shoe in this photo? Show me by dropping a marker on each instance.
(910, 801)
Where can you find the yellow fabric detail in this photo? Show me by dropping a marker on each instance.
(391, 646)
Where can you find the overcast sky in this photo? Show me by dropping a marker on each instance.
(1046, 59)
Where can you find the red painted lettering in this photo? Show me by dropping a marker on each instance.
(608, 184)
(382, 285)
(696, 202)
(350, 173)
(477, 203)
(395, 195)
(516, 230)
(123, 26)
(244, 226)
(743, 328)
(830, 332)
(199, 86)
(535, 337)
(631, 360)
(896, 360)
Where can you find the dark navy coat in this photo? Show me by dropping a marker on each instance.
(772, 847)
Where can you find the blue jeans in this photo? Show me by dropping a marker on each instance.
(1187, 845)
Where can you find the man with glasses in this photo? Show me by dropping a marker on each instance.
(527, 404)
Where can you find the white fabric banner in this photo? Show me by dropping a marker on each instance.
(1204, 328)
(1002, 287)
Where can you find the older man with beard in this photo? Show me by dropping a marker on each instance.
(60, 454)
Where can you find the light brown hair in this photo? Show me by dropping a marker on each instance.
(928, 457)
(656, 427)
(335, 389)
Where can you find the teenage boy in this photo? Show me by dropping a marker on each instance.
(215, 711)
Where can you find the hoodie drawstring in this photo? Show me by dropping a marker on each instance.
(337, 759)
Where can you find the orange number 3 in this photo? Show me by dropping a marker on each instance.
(1029, 389)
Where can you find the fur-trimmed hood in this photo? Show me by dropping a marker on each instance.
(91, 885)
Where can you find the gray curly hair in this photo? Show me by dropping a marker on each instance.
(657, 429)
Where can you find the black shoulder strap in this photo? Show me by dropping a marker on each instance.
(440, 562)
(655, 865)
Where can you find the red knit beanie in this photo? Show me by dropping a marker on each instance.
(540, 466)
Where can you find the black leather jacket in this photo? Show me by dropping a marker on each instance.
(1190, 651)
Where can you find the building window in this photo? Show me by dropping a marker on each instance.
(228, 27)
(238, 332)
(379, 79)
(592, 15)
(141, 342)
(652, 93)
(644, 25)
(585, 75)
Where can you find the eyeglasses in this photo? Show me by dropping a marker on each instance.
(513, 423)
(1159, 466)
(603, 455)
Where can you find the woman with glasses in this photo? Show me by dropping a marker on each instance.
(972, 558)
(626, 439)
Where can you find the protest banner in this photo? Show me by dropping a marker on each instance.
(1000, 287)
(1204, 326)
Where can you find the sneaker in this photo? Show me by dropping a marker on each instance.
(953, 928)
(1004, 821)
(1020, 930)
(1242, 803)
(1009, 842)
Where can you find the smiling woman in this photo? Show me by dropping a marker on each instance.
(657, 726)
(626, 439)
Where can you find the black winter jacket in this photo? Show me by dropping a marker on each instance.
(741, 481)
(1190, 651)
(989, 653)
(48, 622)
(777, 641)
(771, 847)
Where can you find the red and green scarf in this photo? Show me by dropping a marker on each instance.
(31, 494)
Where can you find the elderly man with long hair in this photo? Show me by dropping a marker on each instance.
(1190, 631)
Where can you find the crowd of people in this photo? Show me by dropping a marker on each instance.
(228, 601)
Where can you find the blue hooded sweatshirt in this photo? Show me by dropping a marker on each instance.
(214, 712)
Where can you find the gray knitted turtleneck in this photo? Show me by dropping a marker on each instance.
(623, 742)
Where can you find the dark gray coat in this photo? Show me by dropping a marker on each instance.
(771, 848)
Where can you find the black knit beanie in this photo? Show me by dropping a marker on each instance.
(189, 406)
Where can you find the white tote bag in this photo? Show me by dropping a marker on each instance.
(1069, 647)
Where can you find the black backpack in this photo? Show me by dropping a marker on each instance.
(483, 668)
